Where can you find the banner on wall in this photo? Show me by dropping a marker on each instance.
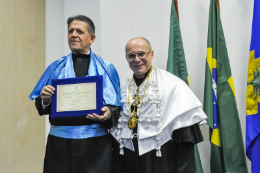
(227, 148)
(176, 63)
(253, 94)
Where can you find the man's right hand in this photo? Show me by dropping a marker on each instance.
(46, 93)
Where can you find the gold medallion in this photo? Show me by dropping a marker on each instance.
(136, 100)
(132, 122)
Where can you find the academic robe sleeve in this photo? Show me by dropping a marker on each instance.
(184, 140)
(110, 122)
(113, 119)
(38, 105)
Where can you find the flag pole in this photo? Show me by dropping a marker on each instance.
(176, 8)
(218, 6)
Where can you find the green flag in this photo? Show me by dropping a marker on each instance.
(176, 64)
(227, 148)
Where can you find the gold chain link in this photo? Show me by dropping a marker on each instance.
(147, 79)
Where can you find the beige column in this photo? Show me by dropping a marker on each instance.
(22, 62)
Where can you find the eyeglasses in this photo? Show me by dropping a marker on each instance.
(141, 55)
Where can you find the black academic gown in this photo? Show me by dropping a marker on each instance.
(90, 155)
(177, 154)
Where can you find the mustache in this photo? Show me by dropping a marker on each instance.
(74, 40)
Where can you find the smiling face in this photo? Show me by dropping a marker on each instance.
(139, 66)
(79, 39)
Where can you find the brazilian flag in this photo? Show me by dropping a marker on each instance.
(253, 94)
(227, 149)
(177, 64)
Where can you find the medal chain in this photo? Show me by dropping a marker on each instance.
(147, 79)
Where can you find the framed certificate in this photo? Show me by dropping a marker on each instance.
(77, 97)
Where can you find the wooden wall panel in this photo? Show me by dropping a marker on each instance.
(22, 62)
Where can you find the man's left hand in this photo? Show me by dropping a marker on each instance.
(100, 118)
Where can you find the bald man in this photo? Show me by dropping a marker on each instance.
(159, 124)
